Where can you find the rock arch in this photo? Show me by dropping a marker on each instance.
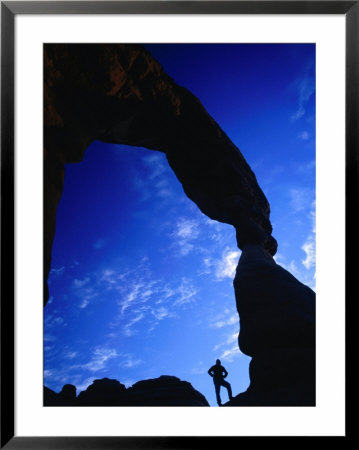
(119, 94)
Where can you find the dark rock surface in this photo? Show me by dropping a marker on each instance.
(294, 395)
(104, 392)
(120, 94)
(166, 391)
(163, 391)
(277, 329)
(68, 393)
(51, 398)
(67, 396)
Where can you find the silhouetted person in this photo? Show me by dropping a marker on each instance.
(219, 373)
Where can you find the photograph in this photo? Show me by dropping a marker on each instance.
(179, 224)
(177, 185)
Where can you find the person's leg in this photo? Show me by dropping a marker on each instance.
(217, 387)
(229, 389)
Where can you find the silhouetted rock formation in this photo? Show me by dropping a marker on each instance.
(277, 329)
(120, 94)
(104, 392)
(50, 397)
(67, 396)
(166, 391)
(163, 391)
(68, 393)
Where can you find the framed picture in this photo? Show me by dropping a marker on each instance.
(110, 361)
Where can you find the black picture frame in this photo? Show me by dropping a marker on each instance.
(9, 9)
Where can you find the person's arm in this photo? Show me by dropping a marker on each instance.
(225, 372)
(210, 372)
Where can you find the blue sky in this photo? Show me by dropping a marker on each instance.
(141, 280)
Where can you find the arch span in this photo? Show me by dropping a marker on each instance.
(119, 94)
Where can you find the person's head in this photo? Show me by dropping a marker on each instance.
(218, 362)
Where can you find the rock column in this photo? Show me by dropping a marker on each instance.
(277, 329)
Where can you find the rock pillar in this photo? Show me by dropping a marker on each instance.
(277, 329)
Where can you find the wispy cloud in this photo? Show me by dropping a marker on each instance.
(138, 292)
(110, 278)
(306, 88)
(224, 322)
(99, 244)
(309, 246)
(230, 354)
(185, 292)
(161, 313)
(226, 266)
(221, 233)
(84, 384)
(48, 373)
(128, 329)
(53, 320)
(139, 300)
(49, 337)
(55, 378)
(307, 166)
(80, 283)
(312, 215)
(207, 266)
(154, 178)
(304, 276)
(186, 228)
(309, 249)
(57, 272)
(185, 233)
(48, 348)
(300, 199)
(84, 303)
(229, 349)
(302, 202)
(140, 297)
(85, 290)
(290, 267)
(129, 363)
(228, 318)
(304, 135)
(157, 165)
(99, 359)
(71, 355)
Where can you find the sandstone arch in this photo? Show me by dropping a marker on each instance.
(120, 94)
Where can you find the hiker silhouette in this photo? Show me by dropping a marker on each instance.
(219, 373)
